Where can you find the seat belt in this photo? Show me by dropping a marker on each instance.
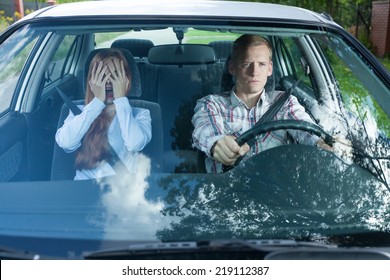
(115, 162)
(267, 117)
(73, 107)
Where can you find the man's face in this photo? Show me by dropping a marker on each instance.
(251, 70)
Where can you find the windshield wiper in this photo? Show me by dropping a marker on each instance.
(193, 247)
(373, 165)
(236, 249)
(13, 254)
(369, 154)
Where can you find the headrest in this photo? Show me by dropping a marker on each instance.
(135, 90)
(227, 80)
(138, 47)
(222, 48)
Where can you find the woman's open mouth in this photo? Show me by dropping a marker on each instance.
(109, 92)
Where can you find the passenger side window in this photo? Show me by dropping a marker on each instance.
(61, 62)
(19, 49)
(356, 95)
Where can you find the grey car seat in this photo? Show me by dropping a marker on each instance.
(148, 72)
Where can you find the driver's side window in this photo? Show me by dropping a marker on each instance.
(19, 49)
(293, 62)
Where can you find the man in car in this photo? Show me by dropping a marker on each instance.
(220, 118)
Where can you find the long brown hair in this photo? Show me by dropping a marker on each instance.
(95, 147)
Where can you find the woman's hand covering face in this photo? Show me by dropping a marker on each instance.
(99, 77)
(118, 77)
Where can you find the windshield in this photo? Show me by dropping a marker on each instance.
(294, 186)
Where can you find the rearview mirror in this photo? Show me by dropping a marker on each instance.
(181, 54)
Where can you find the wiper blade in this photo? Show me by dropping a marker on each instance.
(241, 249)
(13, 254)
(202, 247)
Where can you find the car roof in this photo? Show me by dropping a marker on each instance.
(186, 8)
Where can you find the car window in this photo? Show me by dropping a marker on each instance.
(295, 62)
(62, 60)
(18, 48)
(299, 55)
(358, 87)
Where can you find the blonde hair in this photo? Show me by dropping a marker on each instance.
(244, 42)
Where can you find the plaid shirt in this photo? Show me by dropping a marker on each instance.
(223, 114)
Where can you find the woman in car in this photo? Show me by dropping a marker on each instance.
(107, 125)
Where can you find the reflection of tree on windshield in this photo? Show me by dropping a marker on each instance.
(370, 145)
(353, 109)
(292, 191)
(373, 155)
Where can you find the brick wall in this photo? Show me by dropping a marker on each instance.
(380, 28)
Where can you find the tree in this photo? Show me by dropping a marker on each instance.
(340, 10)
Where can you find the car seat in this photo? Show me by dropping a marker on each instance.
(139, 48)
(148, 72)
(222, 49)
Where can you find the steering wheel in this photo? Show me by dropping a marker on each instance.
(250, 135)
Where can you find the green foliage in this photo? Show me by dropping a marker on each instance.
(69, 1)
(102, 38)
(353, 15)
(386, 62)
(204, 37)
(318, 5)
(57, 1)
(5, 21)
(356, 96)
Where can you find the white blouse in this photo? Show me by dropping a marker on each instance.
(129, 132)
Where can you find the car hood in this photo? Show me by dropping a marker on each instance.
(316, 196)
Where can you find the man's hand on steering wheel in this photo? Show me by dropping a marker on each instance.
(227, 151)
(321, 143)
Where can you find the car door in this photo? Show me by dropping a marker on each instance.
(58, 72)
(34, 61)
(15, 50)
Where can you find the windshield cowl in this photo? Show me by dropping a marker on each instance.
(239, 249)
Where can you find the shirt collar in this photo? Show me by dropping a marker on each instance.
(236, 101)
